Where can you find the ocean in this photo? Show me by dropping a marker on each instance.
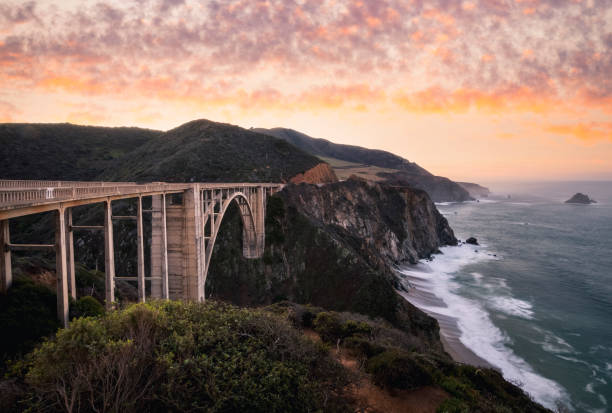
(534, 299)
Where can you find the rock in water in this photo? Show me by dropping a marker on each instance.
(580, 198)
(472, 240)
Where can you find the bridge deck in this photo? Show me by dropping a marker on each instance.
(19, 198)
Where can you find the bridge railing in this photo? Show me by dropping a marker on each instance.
(11, 197)
(20, 192)
(37, 184)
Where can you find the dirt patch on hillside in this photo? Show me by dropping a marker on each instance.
(373, 399)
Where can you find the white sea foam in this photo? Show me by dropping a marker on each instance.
(513, 306)
(478, 332)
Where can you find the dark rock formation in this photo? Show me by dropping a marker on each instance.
(472, 241)
(395, 224)
(580, 198)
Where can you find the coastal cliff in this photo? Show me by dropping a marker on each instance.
(394, 224)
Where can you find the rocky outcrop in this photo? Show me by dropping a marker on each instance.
(580, 198)
(392, 224)
(320, 174)
(475, 190)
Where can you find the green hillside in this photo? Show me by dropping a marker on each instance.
(64, 151)
(205, 151)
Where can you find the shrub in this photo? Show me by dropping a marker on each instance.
(175, 356)
(453, 405)
(331, 328)
(363, 346)
(28, 312)
(398, 370)
(86, 307)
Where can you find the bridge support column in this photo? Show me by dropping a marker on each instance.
(140, 262)
(193, 245)
(61, 267)
(70, 254)
(109, 255)
(6, 273)
(159, 248)
(253, 243)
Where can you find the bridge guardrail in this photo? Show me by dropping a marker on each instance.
(20, 192)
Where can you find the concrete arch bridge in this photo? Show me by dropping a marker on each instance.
(185, 221)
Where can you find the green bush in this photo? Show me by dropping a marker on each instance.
(398, 370)
(453, 405)
(174, 356)
(331, 328)
(28, 312)
(364, 346)
(86, 307)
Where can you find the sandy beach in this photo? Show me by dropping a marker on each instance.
(420, 297)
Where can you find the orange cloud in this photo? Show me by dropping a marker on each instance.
(438, 100)
(588, 132)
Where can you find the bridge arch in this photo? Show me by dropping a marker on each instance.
(249, 229)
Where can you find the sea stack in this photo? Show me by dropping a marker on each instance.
(580, 198)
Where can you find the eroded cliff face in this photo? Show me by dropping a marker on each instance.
(320, 174)
(392, 224)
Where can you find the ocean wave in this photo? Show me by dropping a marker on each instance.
(513, 307)
(477, 331)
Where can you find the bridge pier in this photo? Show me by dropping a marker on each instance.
(70, 254)
(109, 255)
(61, 269)
(159, 248)
(140, 246)
(6, 272)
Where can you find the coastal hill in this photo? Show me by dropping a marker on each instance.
(375, 165)
(64, 151)
(200, 150)
(580, 198)
(206, 151)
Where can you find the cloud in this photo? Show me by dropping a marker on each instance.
(441, 54)
(587, 132)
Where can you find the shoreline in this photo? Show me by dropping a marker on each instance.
(449, 329)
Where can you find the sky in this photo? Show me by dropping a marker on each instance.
(478, 90)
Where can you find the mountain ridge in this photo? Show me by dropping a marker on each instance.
(374, 164)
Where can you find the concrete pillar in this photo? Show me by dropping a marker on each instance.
(164, 246)
(175, 224)
(109, 255)
(193, 245)
(156, 246)
(61, 267)
(140, 262)
(6, 272)
(70, 254)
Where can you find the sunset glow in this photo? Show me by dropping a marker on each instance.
(478, 90)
